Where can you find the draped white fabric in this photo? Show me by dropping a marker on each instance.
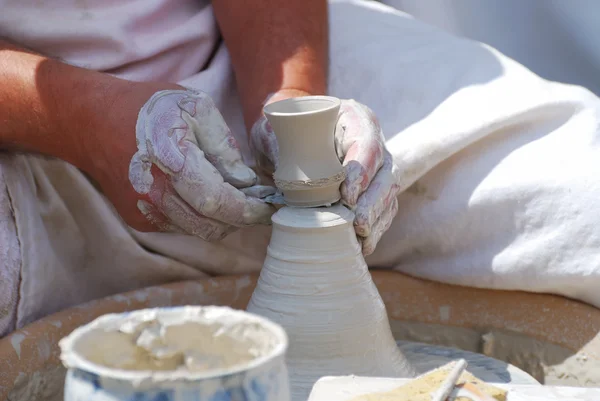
(500, 166)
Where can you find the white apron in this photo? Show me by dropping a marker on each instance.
(503, 166)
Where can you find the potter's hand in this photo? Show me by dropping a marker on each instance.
(370, 188)
(188, 169)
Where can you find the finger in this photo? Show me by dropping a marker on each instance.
(215, 139)
(182, 215)
(259, 191)
(377, 198)
(379, 228)
(157, 218)
(139, 173)
(160, 128)
(202, 187)
(362, 145)
(264, 144)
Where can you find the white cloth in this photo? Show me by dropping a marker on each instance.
(557, 39)
(505, 166)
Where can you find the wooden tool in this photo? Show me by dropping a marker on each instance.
(450, 390)
(448, 384)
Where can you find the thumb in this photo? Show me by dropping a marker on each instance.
(216, 139)
(263, 143)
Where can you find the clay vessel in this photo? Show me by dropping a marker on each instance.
(176, 354)
(315, 283)
(309, 172)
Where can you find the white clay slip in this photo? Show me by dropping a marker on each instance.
(309, 172)
(203, 350)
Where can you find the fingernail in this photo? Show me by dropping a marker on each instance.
(361, 224)
(361, 230)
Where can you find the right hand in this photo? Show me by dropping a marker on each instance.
(371, 186)
(170, 163)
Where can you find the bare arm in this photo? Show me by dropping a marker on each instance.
(90, 120)
(55, 109)
(275, 46)
(45, 104)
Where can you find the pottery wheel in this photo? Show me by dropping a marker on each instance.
(425, 357)
(47, 386)
(31, 355)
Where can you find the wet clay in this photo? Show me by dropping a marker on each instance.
(309, 172)
(154, 346)
(315, 283)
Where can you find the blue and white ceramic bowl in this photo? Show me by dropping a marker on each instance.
(262, 378)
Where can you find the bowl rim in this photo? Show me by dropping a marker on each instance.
(328, 103)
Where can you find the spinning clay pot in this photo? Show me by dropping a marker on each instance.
(176, 354)
(315, 283)
(309, 172)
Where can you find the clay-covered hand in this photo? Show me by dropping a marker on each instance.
(189, 170)
(370, 188)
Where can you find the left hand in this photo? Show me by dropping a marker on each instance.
(370, 188)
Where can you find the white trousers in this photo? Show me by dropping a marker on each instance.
(500, 180)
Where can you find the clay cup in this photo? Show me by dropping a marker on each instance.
(309, 172)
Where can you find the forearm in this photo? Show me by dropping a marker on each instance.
(275, 45)
(47, 106)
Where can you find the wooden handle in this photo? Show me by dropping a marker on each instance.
(448, 385)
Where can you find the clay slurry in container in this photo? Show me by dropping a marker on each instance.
(314, 281)
(176, 354)
(309, 172)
